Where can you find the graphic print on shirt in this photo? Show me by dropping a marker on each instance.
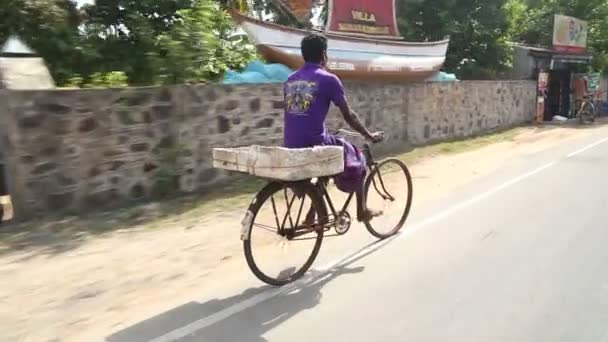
(299, 95)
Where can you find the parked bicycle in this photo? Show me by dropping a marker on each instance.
(587, 111)
(277, 213)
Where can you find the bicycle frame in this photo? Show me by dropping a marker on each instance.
(330, 203)
(586, 100)
(323, 218)
(589, 99)
(333, 215)
(372, 166)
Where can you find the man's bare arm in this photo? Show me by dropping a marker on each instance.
(355, 123)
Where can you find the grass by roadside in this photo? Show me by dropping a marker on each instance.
(458, 145)
(58, 234)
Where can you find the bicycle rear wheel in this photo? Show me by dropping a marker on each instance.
(389, 187)
(274, 233)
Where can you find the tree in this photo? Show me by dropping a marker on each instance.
(124, 33)
(50, 27)
(478, 48)
(149, 41)
(239, 5)
(163, 41)
(200, 45)
(187, 47)
(531, 22)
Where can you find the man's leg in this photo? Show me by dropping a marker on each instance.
(364, 214)
(311, 215)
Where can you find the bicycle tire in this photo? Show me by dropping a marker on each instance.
(410, 196)
(319, 206)
(587, 111)
(593, 112)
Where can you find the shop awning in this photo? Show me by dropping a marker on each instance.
(580, 59)
(556, 58)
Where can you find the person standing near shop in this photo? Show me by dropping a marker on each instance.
(581, 89)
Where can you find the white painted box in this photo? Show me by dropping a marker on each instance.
(280, 163)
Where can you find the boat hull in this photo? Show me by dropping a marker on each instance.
(350, 57)
(397, 69)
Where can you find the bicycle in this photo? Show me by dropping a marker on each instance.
(290, 229)
(587, 109)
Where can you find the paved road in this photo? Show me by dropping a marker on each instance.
(520, 255)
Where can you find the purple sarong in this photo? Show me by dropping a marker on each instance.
(351, 180)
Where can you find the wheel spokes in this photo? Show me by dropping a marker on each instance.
(280, 261)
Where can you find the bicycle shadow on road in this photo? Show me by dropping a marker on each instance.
(220, 320)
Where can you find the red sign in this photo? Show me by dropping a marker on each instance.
(372, 18)
(569, 49)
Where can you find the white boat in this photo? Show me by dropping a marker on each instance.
(352, 55)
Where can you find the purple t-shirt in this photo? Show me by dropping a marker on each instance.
(308, 94)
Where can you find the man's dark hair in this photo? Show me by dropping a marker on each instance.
(313, 46)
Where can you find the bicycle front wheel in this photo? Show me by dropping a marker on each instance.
(587, 113)
(279, 245)
(389, 188)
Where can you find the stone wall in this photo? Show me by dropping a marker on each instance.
(73, 150)
(456, 110)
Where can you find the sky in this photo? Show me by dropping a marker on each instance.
(82, 2)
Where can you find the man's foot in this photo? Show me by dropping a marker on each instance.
(369, 215)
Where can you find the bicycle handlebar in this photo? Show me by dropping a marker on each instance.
(594, 94)
(348, 133)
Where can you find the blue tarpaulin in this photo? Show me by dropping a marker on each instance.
(443, 77)
(258, 72)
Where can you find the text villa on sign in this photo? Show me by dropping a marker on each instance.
(364, 16)
(363, 28)
(368, 18)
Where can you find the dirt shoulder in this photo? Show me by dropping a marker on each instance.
(75, 274)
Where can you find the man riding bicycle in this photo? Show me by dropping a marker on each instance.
(308, 94)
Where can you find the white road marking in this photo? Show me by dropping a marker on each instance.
(311, 278)
(588, 147)
(478, 198)
(605, 337)
(219, 316)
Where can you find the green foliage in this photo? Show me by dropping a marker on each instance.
(124, 36)
(114, 79)
(144, 42)
(186, 46)
(532, 23)
(75, 81)
(50, 27)
(239, 5)
(478, 48)
(199, 47)
(481, 30)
